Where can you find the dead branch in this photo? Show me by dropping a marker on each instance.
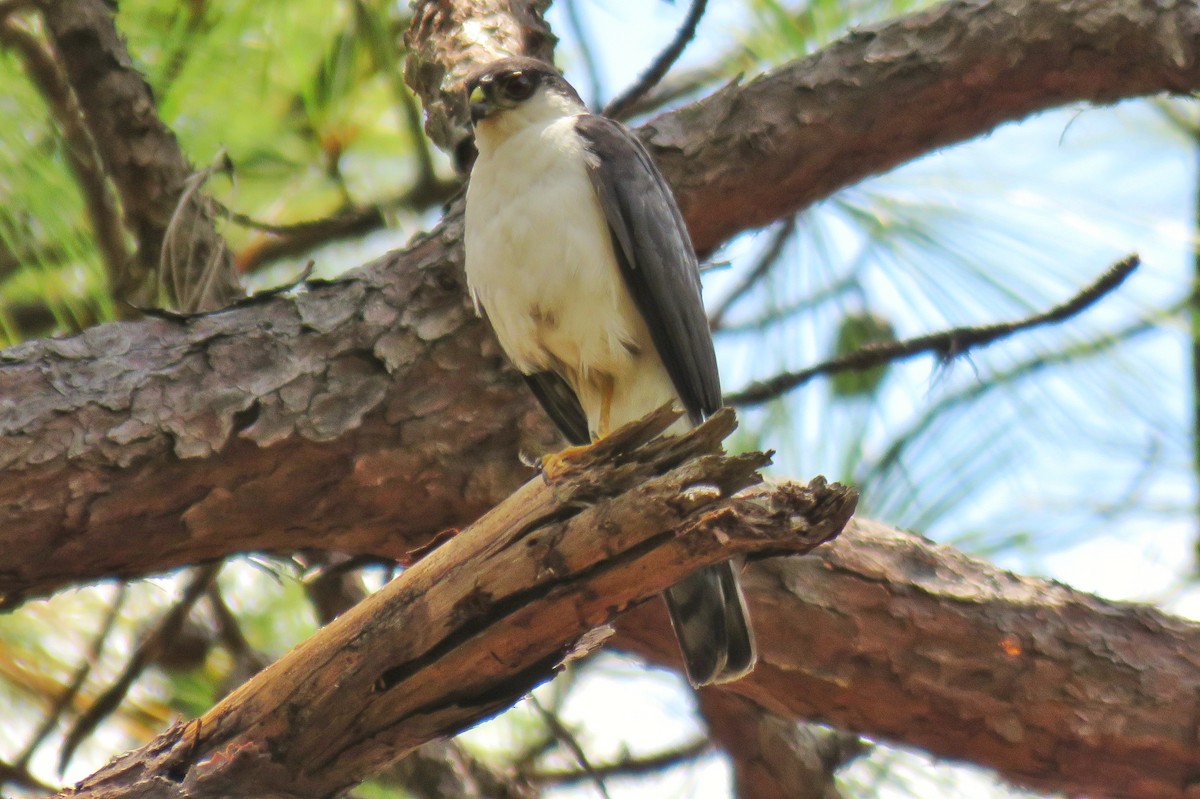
(432, 653)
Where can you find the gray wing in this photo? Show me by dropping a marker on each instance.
(656, 258)
(561, 405)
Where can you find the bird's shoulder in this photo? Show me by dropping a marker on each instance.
(608, 137)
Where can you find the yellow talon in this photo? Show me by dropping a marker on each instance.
(558, 463)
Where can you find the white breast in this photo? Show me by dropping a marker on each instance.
(539, 256)
(540, 264)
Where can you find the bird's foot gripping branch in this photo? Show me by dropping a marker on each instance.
(468, 630)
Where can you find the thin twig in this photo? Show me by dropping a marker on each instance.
(766, 261)
(143, 656)
(947, 344)
(565, 736)
(805, 305)
(627, 766)
(82, 671)
(658, 68)
(190, 282)
(692, 82)
(324, 225)
(248, 661)
(291, 239)
(383, 52)
(1023, 370)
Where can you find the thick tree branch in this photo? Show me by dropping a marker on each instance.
(874, 99)
(367, 415)
(431, 653)
(886, 94)
(884, 633)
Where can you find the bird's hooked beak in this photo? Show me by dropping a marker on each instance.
(479, 102)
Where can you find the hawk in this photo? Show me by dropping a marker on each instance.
(577, 255)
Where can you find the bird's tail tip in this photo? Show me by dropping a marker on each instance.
(709, 615)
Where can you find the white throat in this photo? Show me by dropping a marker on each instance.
(544, 107)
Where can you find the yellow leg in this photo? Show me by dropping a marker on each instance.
(607, 389)
(556, 463)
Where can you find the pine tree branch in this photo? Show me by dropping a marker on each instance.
(946, 344)
(430, 654)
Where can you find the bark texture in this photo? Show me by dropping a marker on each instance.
(888, 93)
(364, 415)
(433, 653)
(447, 39)
(884, 633)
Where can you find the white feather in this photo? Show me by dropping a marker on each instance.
(540, 262)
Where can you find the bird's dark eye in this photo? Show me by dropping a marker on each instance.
(519, 85)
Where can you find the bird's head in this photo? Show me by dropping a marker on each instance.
(514, 92)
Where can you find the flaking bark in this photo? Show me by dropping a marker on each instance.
(435, 651)
(885, 633)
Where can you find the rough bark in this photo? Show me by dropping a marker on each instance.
(887, 93)
(887, 634)
(447, 39)
(432, 653)
(194, 389)
(364, 415)
(172, 222)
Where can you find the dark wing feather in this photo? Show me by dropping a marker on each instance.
(656, 258)
(561, 404)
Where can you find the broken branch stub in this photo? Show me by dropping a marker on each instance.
(468, 630)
